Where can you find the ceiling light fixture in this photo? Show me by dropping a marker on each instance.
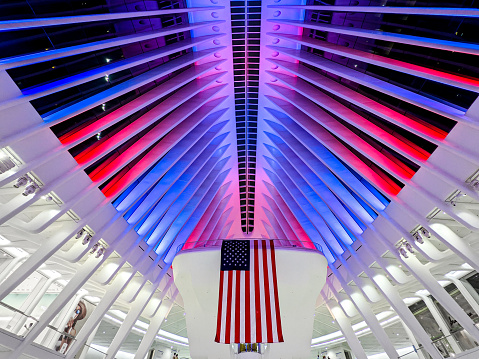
(409, 247)
(86, 239)
(403, 252)
(80, 233)
(30, 189)
(475, 185)
(94, 248)
(100, 252)
(425, 232)
(417, 237)
(22, 181)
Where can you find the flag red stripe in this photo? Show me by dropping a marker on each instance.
(238, 307)
(228, 308)
(257, 297)
(276, 297)
(269, 323)
(247, 325)
(220, 308)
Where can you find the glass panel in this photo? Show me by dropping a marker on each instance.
(474, 282)
(63, 340)
(461, 336)
(427, 321)
(15, 321)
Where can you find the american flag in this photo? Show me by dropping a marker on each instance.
(248, 304)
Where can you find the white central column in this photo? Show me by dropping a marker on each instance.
(301, 275)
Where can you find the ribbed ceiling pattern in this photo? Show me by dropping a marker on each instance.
(344, 123)
(142, 104)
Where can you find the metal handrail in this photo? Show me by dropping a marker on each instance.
(13, 309)
(436, 341)
(49, 326)
(279, 243)
(97, 350)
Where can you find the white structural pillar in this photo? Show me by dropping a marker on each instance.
(392, 296)
(86, 346)
(112, 294)
(81, 276)
(346, 328)
(140, 303)
(440, 321)
(367, 313)
(31, 302)
(461, 286)
(473, 111)
(154, 327)
(136, 309)
(301, 275)
(10, 267)
(414, 342)
(442, 296)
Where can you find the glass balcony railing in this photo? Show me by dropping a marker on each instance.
(91, 351)
(281, 243)
(15, 321)
(54, 339)
(443, 345)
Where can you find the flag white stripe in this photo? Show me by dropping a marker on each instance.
(233, 308)
(223, 311)
(271, 289)
(242, 307)
(264, 337)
